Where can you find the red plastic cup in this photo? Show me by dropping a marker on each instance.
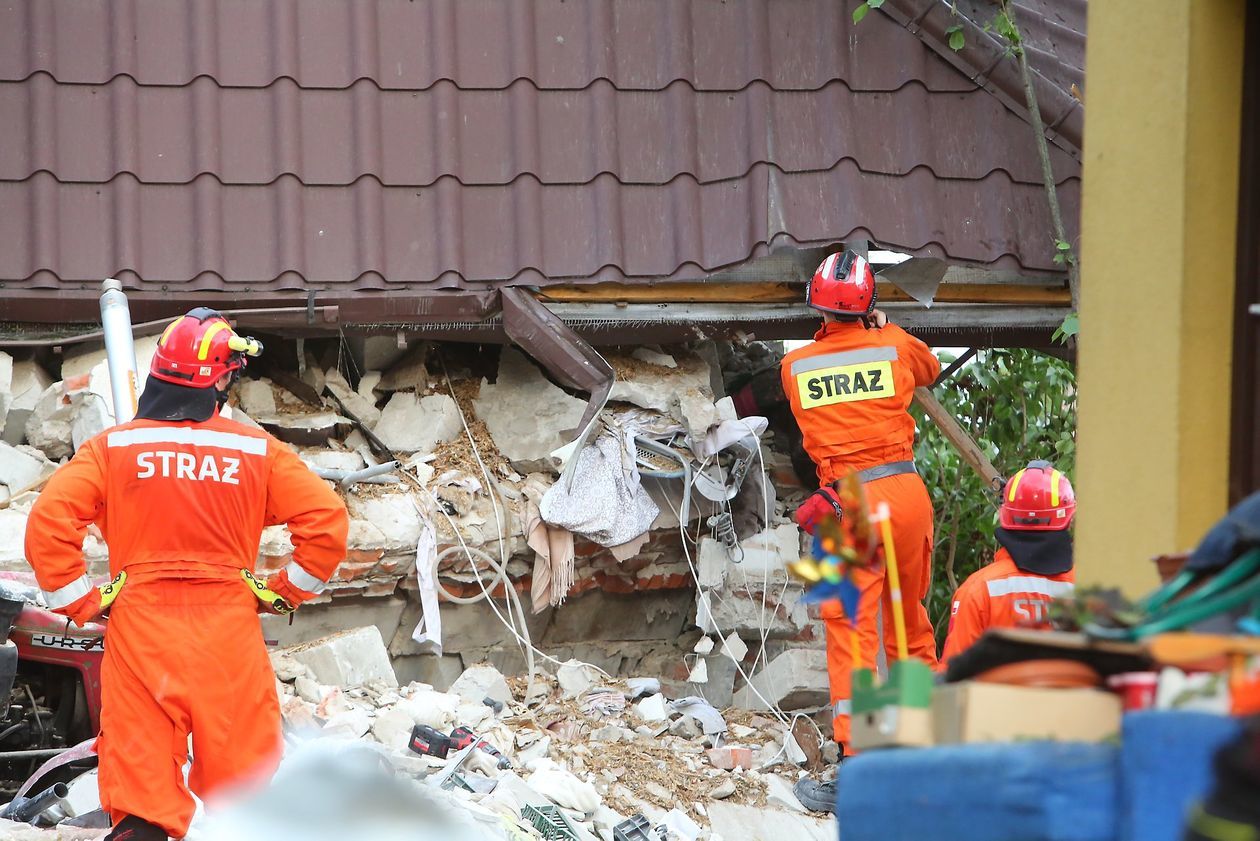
(1136, 689)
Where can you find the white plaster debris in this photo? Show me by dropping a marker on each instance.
(348, 659)
(418, 424)
(27, 382)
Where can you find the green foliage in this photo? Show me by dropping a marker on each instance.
(1005, 26)
(956, 38)
(1019, 405)
(861, 11)
(1070, 327)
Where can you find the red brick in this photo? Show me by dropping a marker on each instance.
(728, 759)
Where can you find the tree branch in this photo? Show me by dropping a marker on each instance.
(1043, 153)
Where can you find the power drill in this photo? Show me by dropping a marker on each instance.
(429, 742)
(462, 737)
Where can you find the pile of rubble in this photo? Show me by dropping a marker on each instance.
(490, 544)
(595, 751)
(480, 490)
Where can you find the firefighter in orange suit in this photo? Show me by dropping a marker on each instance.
(181, 495)
(850, 390)
(1032, 568)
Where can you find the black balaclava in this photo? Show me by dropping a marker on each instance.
(163, 401)
(1038, 552)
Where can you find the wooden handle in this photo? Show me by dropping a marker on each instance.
(959, 437)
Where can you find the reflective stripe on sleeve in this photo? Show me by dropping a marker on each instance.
(190, 436)
(1030, 584)
(68, 594)
(303, 580)
(848, 357)
(842, 707)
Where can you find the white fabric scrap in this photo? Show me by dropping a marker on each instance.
(600, 505)
(710, 719)
(729, 432)
(429, 630)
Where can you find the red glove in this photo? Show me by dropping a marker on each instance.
(819, 505)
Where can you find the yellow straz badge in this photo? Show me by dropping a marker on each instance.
(845, 384)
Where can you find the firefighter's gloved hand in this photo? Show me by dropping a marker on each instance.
(270, 600)
(819, 505)
(96, 602)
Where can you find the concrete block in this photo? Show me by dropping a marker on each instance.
(779, 793)
(376, 352)
(26, 383)
(48, 426)
(316, 621)
(438, 672)
(684, 392)
(480, 682)
(575, 678)
(407, 374)
(765, 557)
(332, 459)
(796, 679)
(743, 612)
(361, 407)
(256, 398)
(350, 658)
(91, 414)
(750, 823)
(20, 470)
(597, 615)
(467, 629)
(525, 414)
(418, 424)
(394, 514)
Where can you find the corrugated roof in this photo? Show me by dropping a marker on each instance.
(342, 146)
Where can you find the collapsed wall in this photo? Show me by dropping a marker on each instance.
(603, 568)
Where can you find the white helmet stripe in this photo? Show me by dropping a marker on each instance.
(859, 267)
(828, 266)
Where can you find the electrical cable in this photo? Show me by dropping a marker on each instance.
(502, 576)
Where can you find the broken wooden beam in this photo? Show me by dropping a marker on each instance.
(960, 438)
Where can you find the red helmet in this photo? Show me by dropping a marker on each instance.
(844, 284)
(198, 348)
(1037, 498)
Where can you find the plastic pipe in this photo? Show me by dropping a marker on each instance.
(120, 349)
(32, 807)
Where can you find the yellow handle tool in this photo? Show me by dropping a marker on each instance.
(110, 591)
(894, 581)
(266, 595)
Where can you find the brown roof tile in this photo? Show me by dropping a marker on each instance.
(240, 146)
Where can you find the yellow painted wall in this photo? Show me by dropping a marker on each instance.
(1163, 92)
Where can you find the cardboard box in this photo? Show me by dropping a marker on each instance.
(895, 713)
(891, 726)
(990, 712)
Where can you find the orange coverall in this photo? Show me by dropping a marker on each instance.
(182, 506)
(850, 390)
(1001, 595)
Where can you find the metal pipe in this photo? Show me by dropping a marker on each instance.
(29, 808)
(120, 349)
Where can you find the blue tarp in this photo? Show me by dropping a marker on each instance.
(1033, 791)
(1165, 767)
(1037, 791)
